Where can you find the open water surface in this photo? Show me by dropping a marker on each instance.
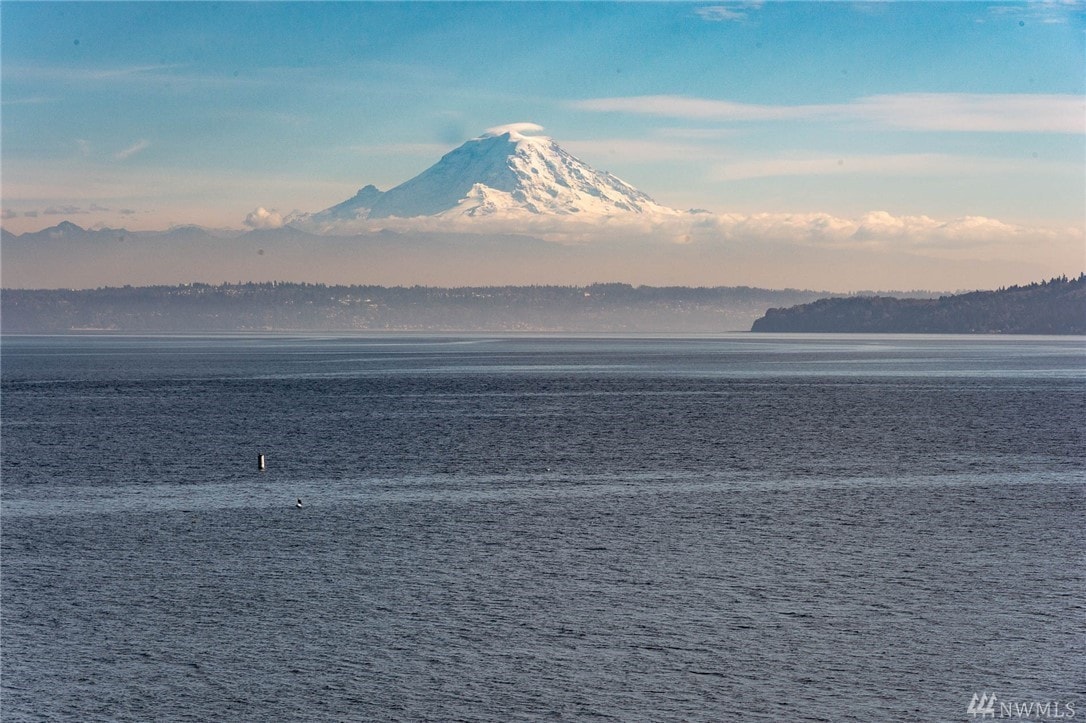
(737, 528)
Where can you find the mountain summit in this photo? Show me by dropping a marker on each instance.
(503, 173)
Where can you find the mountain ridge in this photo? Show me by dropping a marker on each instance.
(502, 173)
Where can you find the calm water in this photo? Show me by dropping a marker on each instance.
(744, 527)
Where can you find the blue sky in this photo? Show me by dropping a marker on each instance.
(150, 114)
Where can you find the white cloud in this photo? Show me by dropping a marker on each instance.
(262, 218)
(137, 147)
(720, 13)
(1047, 12)
(881, 229)
(521, 128)
(874, 230)
(677, 106)
(31, 100)
(1003, 113)
(69, 74)
(890, 164)
(1006, 113)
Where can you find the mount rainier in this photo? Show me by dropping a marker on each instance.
(505, 173)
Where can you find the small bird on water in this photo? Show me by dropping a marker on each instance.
(298, 503)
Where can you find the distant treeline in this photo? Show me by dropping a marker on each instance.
(1057, 306)
(299, 306)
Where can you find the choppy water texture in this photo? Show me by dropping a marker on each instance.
(746, 527)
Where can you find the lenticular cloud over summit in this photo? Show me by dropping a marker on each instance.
(517, 128)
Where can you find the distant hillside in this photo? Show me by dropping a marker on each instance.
(1049, 307)
(317, 307)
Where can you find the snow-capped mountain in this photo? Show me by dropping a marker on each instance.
(503, 173)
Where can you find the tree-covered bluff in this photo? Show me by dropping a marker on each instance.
(1057, 306)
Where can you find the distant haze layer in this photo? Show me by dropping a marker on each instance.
(514, 208)
(67, 256)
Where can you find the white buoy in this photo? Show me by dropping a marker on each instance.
(260, 462)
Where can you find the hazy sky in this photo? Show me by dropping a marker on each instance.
(152, 114)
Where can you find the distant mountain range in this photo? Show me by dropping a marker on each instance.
(68, 232)
(70, 256)
(1057, 306)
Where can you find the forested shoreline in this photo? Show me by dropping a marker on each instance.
(1056, 306)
